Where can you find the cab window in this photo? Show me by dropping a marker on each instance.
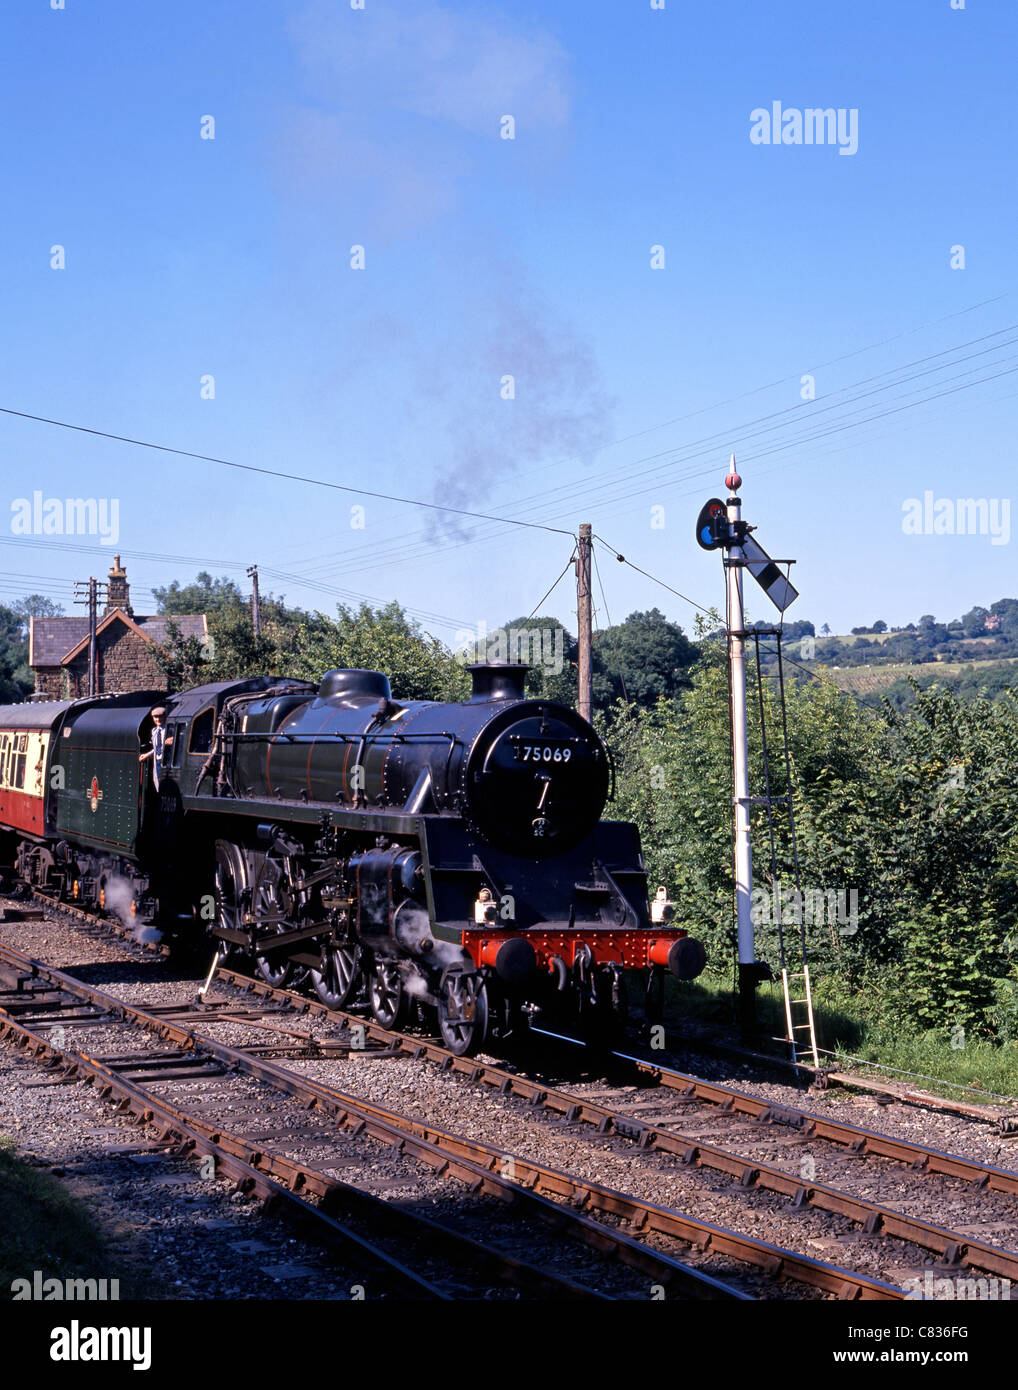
(201, 732)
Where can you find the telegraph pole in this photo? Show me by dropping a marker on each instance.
(256, 616)
(584, 621)
(94, 585)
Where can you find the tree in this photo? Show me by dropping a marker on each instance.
(974, 621)
(641, 659)
(793, 631)
(546, 645)
(232, 651)
(205, 595)
(1006, 609)
(419, 666)
(16, 679)
(879, 626)
(35, 606)
(948, 971)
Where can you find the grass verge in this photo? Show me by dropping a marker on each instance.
(854, 1025)
(43, 1227)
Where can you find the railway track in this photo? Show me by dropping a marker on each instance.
(657, 1135)
(138, 1079)
(825, 1077)
(996, 1108)
(682, 1095)
(42, 999)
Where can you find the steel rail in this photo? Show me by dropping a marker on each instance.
(485, 1167)
(857, 1140)
(826, 1075)
(748, 1172)
(182, 1130)
(874, 1218)
(649, 1068)
(918, 1157)
(254, 1168)
(642, 1216)
(814, 1126)
(662, 1268)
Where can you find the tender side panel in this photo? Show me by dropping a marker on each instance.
(99, 796)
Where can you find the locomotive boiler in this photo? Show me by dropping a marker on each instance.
(441, 856)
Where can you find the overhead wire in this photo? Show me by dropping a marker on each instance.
(542, 500)
(274, 472)
(526, 505)
(159, 558)
(558, 581)
(611, 628)
(808, 435)
(740, 434)
(623, 561)
(833, 361)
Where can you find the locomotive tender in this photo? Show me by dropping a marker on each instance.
(449, 854)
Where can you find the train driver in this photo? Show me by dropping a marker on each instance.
(160, 743)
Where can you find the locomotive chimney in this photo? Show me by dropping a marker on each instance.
(497, 680)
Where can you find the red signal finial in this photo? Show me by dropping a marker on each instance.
(733, 482)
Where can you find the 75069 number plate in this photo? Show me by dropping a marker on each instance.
(542, 750)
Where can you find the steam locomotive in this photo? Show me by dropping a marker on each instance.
(446, 857)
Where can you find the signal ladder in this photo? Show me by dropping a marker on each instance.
(800, 1025)
(791, 1027)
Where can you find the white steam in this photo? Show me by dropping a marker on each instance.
(119, 896)
(413, 932)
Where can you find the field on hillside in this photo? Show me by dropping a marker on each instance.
(865, 680)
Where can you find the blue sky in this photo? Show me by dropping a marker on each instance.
(487, 257)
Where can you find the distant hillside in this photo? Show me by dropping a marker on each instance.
(891, 681)
(972, 654)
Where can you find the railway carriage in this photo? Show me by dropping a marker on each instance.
(401, 853)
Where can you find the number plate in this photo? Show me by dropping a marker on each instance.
(543, 750)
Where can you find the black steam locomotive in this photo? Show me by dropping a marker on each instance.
(449, 856)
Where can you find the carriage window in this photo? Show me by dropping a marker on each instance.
(20, 759)
(179, 732)
(201, 732)
(3, 760)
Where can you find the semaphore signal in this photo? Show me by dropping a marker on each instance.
(720, 527)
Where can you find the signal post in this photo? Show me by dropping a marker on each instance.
(720, 527)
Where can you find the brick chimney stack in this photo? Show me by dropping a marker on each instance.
(118, 592)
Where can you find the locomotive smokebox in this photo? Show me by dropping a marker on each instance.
(497, 680)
